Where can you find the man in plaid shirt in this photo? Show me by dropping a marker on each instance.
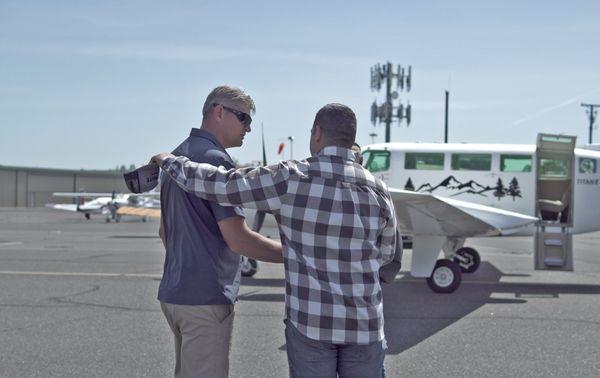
(337, 227)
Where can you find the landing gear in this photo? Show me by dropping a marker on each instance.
(468, 259)
(249, 267)
(407, 242)
(445, 278)
(87, 216)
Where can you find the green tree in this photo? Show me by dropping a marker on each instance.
(500, 189)
(513, 189)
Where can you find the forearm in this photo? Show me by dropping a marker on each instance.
(388, 239)
(261, 188)
(258, 247)
(192, 177)
(244, 241)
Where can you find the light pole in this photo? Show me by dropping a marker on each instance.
(373, 136)
(446, 119)
(291, 139)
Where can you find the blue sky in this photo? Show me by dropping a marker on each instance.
(99, 84)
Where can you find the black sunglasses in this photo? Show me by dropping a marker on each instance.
(244, 118)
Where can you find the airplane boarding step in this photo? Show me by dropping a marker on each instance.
(555, 166)
(553, 248)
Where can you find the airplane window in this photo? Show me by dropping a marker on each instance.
(515, 163)
(587, 165)
(377, 160)
(554, 168)
(471, 162)
(366, 156)
(430, 161)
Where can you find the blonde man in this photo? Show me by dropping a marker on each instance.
(202, 240)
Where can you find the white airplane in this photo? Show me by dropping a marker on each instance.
(445, 193)
(113, 205)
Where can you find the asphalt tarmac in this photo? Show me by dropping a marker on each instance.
(78, 299)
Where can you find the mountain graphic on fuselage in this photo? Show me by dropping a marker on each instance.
(451, 183)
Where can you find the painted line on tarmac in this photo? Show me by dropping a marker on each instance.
(79, 274)
(150, 275)
(10, 243)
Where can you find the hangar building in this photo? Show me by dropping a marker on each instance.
(31, 187)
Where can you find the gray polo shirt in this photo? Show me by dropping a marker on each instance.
(199, 267)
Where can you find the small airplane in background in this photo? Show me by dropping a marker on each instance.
(113, 205)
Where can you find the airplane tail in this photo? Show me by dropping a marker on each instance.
(79, 201)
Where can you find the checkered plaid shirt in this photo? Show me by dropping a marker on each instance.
(337, 228)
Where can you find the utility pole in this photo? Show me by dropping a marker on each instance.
(446, 119)
(591, 111)
(291, 139)
(387, 112)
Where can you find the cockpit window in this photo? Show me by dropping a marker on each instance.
(376, 161)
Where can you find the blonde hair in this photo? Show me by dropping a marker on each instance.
(229, 96)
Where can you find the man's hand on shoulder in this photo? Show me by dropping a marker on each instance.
(160, 157)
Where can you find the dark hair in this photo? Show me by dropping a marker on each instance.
(338, 123)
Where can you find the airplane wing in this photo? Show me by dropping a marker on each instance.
(427, 214)
(147, 194)
(93, 195)
(62, 206)
(81, 194)
(139, 211)
(436, 221)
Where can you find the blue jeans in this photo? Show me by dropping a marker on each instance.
(313, 358)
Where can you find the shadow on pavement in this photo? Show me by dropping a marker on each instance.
(413, 312)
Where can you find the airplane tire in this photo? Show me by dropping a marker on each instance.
(472, 259)
(445, 278)
(407, 242)
(249, 267)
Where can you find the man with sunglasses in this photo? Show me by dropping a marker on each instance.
(338, 228)
(202, 239)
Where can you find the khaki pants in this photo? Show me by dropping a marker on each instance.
(202, 338)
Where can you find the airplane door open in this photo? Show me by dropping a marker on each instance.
(555, 162)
